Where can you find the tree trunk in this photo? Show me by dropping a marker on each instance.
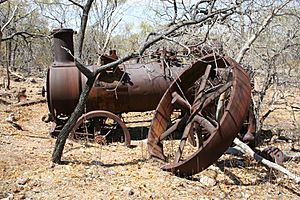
(0, 37)
(64, 134)
(83, 24)
(8, 56)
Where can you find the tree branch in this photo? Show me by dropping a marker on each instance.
(83, 23)
(178, 26)
(266, 162)
(9, 20)
(263, 26)
(76, 4)
(2, 1)
(23, 34)
(82, 68)
(179, 43)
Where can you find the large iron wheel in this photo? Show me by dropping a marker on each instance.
(215, 94)
(98, 125)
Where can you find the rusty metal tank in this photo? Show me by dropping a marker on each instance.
(128, 87)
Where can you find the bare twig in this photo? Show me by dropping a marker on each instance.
(82, 68)
(76, 4)
(10, 19)
(179, 43)
(263, 26)
(24, 34)
(29, 103)
(108, 35)
(179, 25)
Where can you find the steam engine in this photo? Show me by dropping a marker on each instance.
(128, 87)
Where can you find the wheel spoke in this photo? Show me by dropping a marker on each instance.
(201, 88)
(205, 124)
(184, 137)
(216, 94)
(210, 98)
(112, 128)
(179, 123)
(181, 102)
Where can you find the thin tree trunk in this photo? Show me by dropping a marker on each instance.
(64, 134)
(8, 53)
(84, 19)
(0, 37)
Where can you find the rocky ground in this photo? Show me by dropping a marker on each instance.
(95, 171)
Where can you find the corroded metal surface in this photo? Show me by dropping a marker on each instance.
(273, 154)
(129, 88)
(126, 88)
(219, 132)
(63, 77)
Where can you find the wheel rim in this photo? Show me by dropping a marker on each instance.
(221, 134)
(97, 125)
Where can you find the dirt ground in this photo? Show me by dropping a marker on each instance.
(95, 171)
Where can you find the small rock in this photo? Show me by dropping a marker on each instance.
(95, 162)
(207, 181)
(22, 181)
(47, 118)
(34, 183)
(110, 172)
(17, 189)
(11, 117)
(128, 191)
(32, 80)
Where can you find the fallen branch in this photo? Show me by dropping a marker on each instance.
(22, 78)
(266, 162)
(288, 155)
(29, 103)
(15, 125)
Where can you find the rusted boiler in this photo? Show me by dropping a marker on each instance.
(128, 87)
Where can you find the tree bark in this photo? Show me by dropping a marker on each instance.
(0, 37)
(84, 19)
(8, 51)
(64, 134)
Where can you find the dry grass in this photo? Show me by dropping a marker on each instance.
(113, 171)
